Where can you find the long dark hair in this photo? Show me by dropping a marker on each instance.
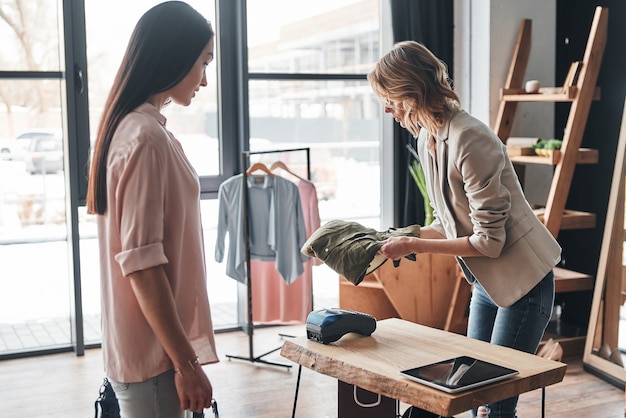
(164, 45)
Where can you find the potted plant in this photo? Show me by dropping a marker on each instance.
(417, 172)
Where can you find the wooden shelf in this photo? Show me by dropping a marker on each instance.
(566, 281)
(369, 297)
(585, 156)
(570, 335)
(571, 281)
(579, 88)
(438, 299)
(572, 219)
(573, 347)
(546, 94)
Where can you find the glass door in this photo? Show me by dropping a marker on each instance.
(34, 280)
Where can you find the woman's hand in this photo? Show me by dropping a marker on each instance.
(194, 389)
(429, 242)
(156, 300)
(397, 247)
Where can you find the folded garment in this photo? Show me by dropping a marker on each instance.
(351, 249)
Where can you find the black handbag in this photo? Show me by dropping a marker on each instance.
(106, 404)
(216, 413)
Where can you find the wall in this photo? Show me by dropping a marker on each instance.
(485, 35)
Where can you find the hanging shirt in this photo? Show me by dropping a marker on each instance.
(277, 230)
(273, 300)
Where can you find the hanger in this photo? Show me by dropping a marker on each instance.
(259, 166)
(283, 166)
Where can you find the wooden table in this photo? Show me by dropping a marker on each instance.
(373, 363)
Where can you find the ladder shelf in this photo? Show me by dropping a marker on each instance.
(580, 90)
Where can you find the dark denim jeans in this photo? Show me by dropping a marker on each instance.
(520, 326)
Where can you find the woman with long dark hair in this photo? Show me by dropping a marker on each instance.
(157, 330)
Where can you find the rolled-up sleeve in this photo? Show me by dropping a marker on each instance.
(140, 208)
(489, 200)
(141, 258)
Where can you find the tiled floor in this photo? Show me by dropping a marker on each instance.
(34, 334)
(55, 332)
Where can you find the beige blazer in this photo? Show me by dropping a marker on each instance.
(475, 192)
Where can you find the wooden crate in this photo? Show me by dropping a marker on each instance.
(421, 291)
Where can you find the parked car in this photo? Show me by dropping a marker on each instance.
(44, 155)
(16, 148)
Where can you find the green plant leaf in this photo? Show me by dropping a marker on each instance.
(417, 172)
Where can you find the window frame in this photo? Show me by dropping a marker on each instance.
(233, 121)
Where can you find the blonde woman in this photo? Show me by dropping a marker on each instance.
(481, 214)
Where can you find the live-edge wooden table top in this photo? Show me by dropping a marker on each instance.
(373, 363)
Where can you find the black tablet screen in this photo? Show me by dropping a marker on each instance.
(459, 373)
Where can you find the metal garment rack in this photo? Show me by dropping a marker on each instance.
(249, 325)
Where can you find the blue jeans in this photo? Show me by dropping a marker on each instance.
(520, 326)
(153, 398)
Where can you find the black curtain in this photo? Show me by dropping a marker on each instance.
(429, 22)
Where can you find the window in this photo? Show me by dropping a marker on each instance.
(301, 86)
(308, 87)
(196, 125)
(35, 278)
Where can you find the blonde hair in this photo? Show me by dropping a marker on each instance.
(412, 75)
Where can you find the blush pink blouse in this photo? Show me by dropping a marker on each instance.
(152, 219)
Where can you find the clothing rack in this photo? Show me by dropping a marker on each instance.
(249, 325)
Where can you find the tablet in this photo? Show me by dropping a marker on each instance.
(458, 374)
